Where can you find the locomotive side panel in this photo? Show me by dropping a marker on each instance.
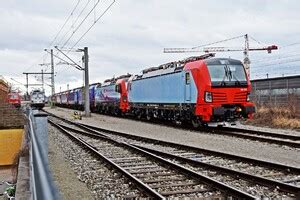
(106, 94)
(107, 100)
(165, 89)
(71, 98)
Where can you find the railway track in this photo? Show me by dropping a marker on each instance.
(154, 176)
(269, 137)
(254, 177)
(261, 136)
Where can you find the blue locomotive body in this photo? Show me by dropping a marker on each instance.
(166, 87)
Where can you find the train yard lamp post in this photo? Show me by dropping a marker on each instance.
(85, 60)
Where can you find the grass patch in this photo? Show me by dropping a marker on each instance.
(277, 116)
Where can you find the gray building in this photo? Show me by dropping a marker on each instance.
(277, 91)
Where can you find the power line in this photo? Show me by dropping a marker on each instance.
(257, 40)
(281, 54)
(75, 64)
(76, 29)
(94, 23)
(56, 36)
(292, 44)
(276, 58)
(32, 65)
(220, 41)
(73, 23)
(279, 63)
(69, 17)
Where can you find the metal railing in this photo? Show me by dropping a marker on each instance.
(41, 182)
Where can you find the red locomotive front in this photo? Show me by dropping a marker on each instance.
(14, 99)
(223, 90)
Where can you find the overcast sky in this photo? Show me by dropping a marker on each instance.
(132, 34)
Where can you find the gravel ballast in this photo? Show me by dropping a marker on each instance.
(66, 180)
(243, 147)
(93, 178)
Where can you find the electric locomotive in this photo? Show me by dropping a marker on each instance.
(198, 89)
(37, 98)
(14, 99)
(111, 97)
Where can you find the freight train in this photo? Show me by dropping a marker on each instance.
(197, 90)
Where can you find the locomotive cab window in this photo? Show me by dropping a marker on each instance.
(118, 88)
(187, 78)
(129, 86)
(227, 75)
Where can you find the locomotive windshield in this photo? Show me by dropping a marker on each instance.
(227, 75)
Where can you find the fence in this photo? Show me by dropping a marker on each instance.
(277, 91)
(41, 183)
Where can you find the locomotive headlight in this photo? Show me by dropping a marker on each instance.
(208, 97)
(124, 99)
(248, 97)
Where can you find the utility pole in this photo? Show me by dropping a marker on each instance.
(86, 79)
(85, 60)
(34, 73)
(43, 80)
(246, 55)
(27, 94)
(52, 78)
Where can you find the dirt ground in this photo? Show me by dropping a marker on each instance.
(66, 180)
(5, 175)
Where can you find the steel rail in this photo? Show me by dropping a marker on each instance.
(249, 177)
(260, 133)
(257, 179)
(265, 138)
(98, 130)
(139, 184)
(268, 137)
(205, 179)
(213, 183)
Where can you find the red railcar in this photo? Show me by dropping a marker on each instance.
(121, 87)
(14, 99)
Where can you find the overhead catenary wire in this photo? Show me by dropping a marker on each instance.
(60, 30)
(292, 44)
(56, 56)
(76, 29)
(95, 21)
(278, 63)
(220, 41)
(93, 24)
(44, 56)
(34, 63)
(280, 57)
(280, 54)
(252, 38)
(68, 18)
(74, 22)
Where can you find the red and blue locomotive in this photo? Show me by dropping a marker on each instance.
(197, 90)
